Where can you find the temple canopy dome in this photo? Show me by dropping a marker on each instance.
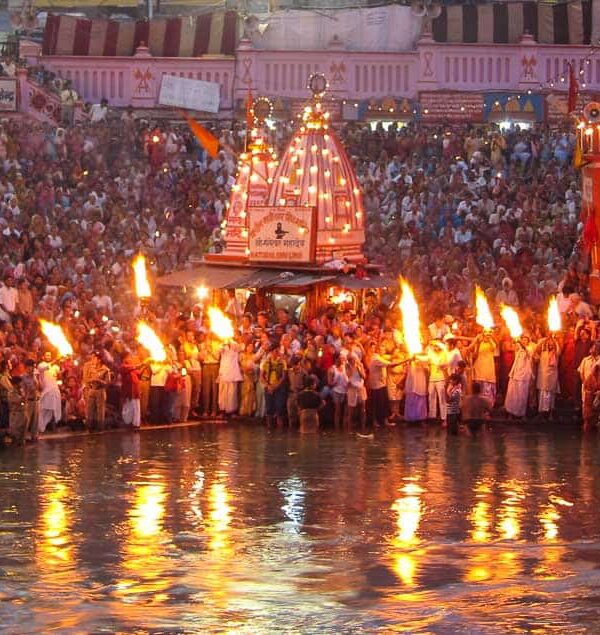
(314, 171)
(256, 172)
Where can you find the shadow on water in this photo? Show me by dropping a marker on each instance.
(237, 529)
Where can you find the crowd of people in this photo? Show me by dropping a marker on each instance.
(447, 207)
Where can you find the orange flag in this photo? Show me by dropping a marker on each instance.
(573, 90)
(206, 138)
(249, 114)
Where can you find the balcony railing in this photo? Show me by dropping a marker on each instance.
(352, 75)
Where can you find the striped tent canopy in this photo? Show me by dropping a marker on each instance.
(505, 22)
(192, 36)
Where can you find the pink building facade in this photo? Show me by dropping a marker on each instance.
(478, 80)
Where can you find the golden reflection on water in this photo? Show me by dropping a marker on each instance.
(551, 565)
(549, 517)
(480, 516)
(144, 561)
(409, 510)
(511, 510)
(220, 566)
(493, 566)
(54, 548)
(219, 519)
(148, 511)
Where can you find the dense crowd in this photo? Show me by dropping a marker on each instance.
(447, 207)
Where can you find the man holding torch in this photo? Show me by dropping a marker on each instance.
(50, 397)
(520, 376)
(95, 380)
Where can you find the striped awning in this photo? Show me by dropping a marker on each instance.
(213, 276)
(505, 22)
(94, 4)
(191, 36)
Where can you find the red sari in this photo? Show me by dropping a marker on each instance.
(507, 357)
(567, 371)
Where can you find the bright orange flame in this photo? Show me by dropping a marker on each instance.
(511, 317)
(220, 324)
(56, 337)
(202, 292)
(142, 286)
(410, 319)
(483, 314)
(151, 342)
(554, 321)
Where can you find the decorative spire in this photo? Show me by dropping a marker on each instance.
(313, 116)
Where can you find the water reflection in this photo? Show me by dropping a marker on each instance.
(219, 518)
(511, 509)
(54, 549)
(480, 516)
(145, 563)
(195, 495)
(221, 530)
(148, 511)
(549, 517)
(293, 492)
(408, 508)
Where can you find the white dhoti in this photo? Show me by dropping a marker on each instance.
(437, 395)
(131, 412)
(546, 400)
(50, 407)
(517, 397)
(260, 401)
(228, 396)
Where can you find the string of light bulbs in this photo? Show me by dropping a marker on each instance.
(563, 76)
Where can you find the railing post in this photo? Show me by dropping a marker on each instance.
(528, 64)
(144, 79)
(23, 88)
(427, 65)
(248, 74)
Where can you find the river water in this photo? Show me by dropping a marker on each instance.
(241, 530)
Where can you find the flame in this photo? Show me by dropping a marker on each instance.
(511, 317)
(554, 321)
(202, 292)
(483, 314)
(220, 324)
(151, 342)
(142, 286)
(410, 319)
(56, 337)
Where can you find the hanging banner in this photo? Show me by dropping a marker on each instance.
(8, 95)
(450, 107)
(282, 234)
(191, 94)
(557, 109)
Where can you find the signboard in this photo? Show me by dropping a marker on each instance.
(451, 107)
(587, 190)
(282, 234)
(8, 95)
(513, 107)
(556, 106)
(192, 94)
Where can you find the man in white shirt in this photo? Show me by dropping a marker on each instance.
(68, 98)
(580, 308)
(438, 368)
(99, 111)
(8, 299)
(462, 235)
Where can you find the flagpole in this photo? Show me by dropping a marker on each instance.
(249, 104)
